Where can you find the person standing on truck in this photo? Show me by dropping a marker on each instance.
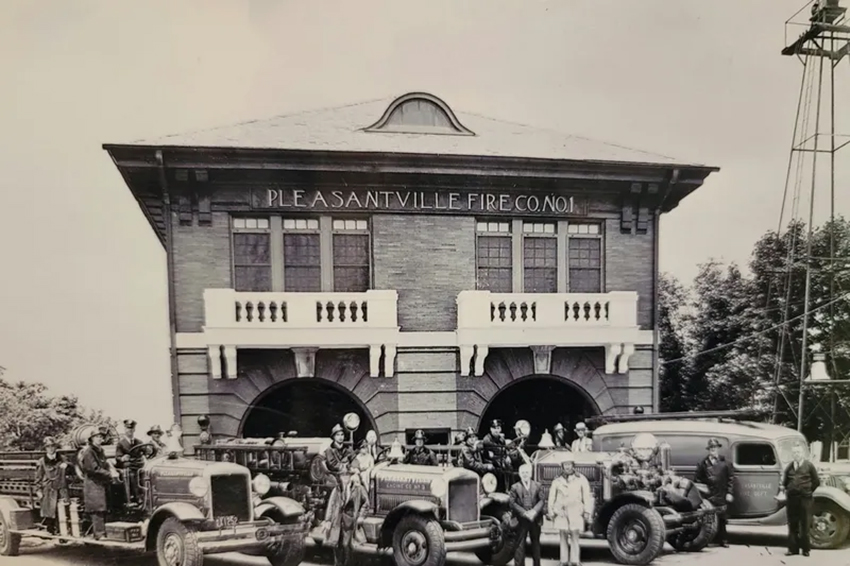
(582, 443)
(570, 507)
(348, 505)
(97, 475)
(495, 446)
(559, 436)
(127, 463)
(527, 505)
(715, 472)
(337, 456)
(420, 455)
(50, 483)
(470, 456)
(799, 484)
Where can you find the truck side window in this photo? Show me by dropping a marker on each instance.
(755, 454)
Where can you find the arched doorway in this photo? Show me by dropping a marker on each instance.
(541, 400)
(309, 406)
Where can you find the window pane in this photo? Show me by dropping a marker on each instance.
(755, 455)
(351, 262)
(302, 262)
(494, 264)
(585, 281)
(251, 249)
(253, 278)
(540, 264)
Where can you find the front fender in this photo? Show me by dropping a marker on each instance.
(7, 504)
(287, 507)
(835, 495)
(494, 498)
(606, 511)
(179, 510)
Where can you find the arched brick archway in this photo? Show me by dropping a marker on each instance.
(576, 369)
(266, 373)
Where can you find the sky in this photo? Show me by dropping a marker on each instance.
(82, 277)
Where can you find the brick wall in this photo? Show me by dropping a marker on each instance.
(201, 261)
(428, 260)
(628, 266)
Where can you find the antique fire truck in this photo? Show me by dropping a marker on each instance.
(417, 513)
(190, 508)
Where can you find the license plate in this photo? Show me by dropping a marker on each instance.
(226, 521)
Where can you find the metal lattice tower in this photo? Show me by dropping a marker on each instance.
(821, 47)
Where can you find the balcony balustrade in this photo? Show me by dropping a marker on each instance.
(301, 321)
(544, 321)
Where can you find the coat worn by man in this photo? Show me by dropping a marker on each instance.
(717, 474)
(50, 479)
(524, 499)
(471, 460)
(96, 478)
(420, 456)
(337, 458)
(347, 506)
(800, 482)
(495, 448)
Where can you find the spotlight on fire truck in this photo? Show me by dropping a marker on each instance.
(489, 483)
(351, 422)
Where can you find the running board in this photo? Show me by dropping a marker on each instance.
(140, 545)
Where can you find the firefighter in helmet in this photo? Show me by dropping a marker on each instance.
(420, 455)
(470, 455)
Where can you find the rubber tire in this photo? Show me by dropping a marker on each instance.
(842, 525)
(434, 539)
(506, 553)
(192, 554)
(657, 532)
(687, 542)
(11, 541)
(292, 555)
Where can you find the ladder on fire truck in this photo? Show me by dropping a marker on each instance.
(823, 44)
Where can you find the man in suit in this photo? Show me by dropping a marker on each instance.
(527, 506)
(799, 484)
(130, 464)
(715, 472)
(582, 443)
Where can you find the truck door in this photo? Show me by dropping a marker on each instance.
(758, 474)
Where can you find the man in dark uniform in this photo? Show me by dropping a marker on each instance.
(495, 446)
(51, 484)
(127, 463)
(97, 475)
(799, 484)
(559, 436)
(715, 472)
(470, 456)
(420, 455)
(337, 456)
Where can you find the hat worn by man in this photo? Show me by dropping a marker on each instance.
(496, 423)
(155, 429)
(337, 428)
(581, 426)
(558, 427)
(49, 441)
(470, 432)
(129, 423)
(100, 431)
(713, 443)
(419, 434)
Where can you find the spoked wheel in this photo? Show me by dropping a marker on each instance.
(10, 543)
(636, 534)
(830, 525)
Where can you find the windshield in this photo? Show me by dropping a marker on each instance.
(786, 445)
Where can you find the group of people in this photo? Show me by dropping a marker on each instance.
(97, 473)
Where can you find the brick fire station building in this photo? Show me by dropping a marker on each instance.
(421, 266)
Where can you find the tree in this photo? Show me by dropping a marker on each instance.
(28, 414)
(674, 372)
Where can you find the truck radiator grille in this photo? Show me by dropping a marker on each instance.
(231, 495)
(463, 500)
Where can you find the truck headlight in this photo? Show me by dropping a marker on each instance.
(489, 483)
(262, 484)
(438, 488)
(847, 484)
(198, 487)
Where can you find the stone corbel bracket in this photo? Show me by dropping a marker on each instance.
(388, 351)
(222, 361)
(473, 355)
(615, 351)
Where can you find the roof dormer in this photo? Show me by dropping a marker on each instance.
(419, 113)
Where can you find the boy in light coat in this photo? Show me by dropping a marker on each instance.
(570, 508)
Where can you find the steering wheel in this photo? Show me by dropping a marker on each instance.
(147, 450)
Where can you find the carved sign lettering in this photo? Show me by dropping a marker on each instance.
(549, 204)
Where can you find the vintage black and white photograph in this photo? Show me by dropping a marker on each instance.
(393, 283)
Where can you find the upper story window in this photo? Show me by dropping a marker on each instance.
(539, 257)
(301, 254)
(419, 113)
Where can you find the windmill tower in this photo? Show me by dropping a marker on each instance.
(822, 46)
